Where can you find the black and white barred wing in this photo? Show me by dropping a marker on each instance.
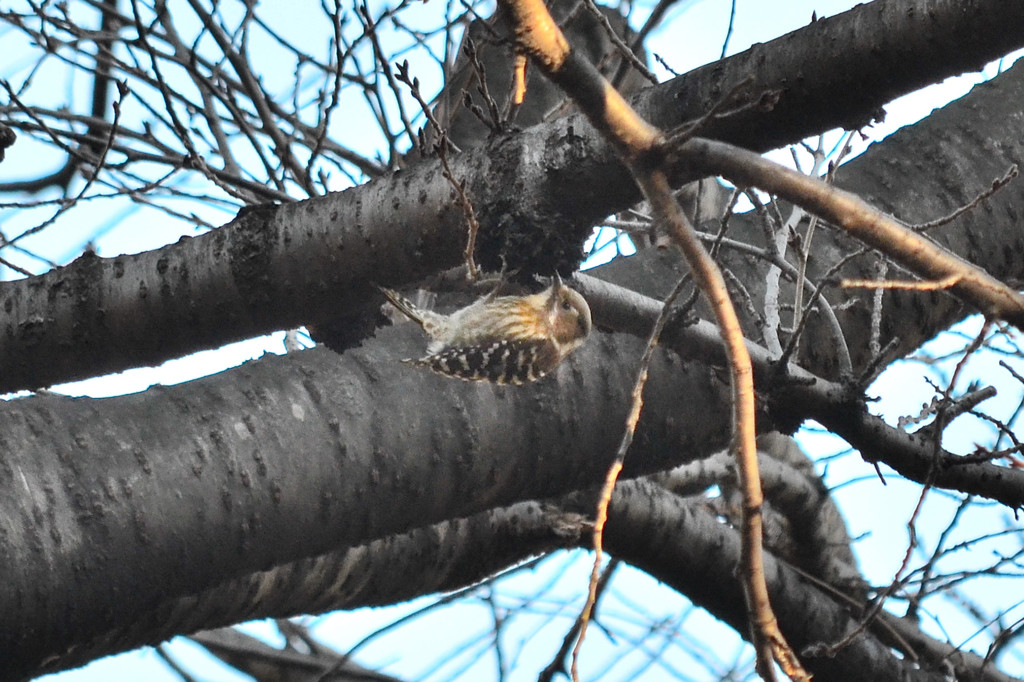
(505, 361)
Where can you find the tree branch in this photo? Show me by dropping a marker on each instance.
(639, 144)
(371, 229)
(907, 247)
(804, 395)
(88, 474)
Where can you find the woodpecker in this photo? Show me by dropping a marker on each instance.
(504, 339)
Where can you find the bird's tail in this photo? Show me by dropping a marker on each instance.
(407, 307)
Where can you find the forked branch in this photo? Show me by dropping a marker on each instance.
(909, 248)
(640, 144)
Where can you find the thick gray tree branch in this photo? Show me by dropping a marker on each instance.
(295, 442)
(442, 558)
(648, 527)
(110, 507)
(800, 395)
(656, 532)
(918, 174)
(277, 267)
(459, 553)
(842, 69)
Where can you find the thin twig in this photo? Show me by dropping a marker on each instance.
(717, 110)
(441, 147)
(728, 31)
(804, 250)
(382, 60)
(620, 45)
(912, 250)
(67, 204)
(21, 271)
(897, 582)
(557, 664)
(257, 96)
(495, 122)
(620, 455)
(642, 147)
(1011, 173)
(903, 285)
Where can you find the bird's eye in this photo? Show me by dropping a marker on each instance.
(566, 305)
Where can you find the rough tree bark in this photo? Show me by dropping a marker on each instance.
(122, 518)
(277, 267)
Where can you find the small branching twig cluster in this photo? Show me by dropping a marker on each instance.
(441, 150)
(199, 109)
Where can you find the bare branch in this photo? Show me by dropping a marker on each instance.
(636, 140)
(922, 256)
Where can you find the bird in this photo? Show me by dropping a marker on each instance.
(502, 339)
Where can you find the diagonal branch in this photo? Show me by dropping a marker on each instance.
(638, 143)
(807, 396)
(910, 248)
(56, 340)
(238, 463)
